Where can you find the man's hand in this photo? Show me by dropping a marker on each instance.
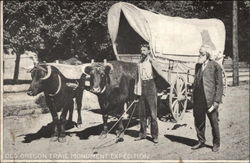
(137, 98)
(215, 106)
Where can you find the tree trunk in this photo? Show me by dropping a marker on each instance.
(16, 71)
(235, 45)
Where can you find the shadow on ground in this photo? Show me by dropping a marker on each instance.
(183, 140)
(45, 132)
(96, 130)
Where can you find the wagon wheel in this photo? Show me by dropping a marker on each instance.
(178, 98)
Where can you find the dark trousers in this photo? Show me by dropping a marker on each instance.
(200, 113)
(148, 107)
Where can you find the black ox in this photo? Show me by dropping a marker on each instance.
(113, 83)
(58, 95)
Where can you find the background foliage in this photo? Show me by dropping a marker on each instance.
(56, 29)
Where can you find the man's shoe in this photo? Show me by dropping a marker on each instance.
(216, 148)
(197, 146)
(155, 140)
(139, 138)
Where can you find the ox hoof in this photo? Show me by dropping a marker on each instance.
(70, 124)
(54, 139)
(103, 135)
(62, 139)
(79, 125)
(79, 122)
(119, 140)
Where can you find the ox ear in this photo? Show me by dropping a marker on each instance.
(29, 69)
(88, 69)
(108, 69)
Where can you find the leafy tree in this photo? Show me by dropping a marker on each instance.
(58, 29)
(223, 11)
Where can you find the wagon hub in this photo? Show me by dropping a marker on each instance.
(181, 97)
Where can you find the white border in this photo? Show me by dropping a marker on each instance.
(1, 75)
(1, 118)
(179, 161)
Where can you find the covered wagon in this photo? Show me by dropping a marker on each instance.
(174, 43)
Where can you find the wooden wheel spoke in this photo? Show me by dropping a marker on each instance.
(174, 102)
(182, 104)
(182, 84)
(183, 87)
(174, 91)
(183, 91)
(177, 110)
(177, 86)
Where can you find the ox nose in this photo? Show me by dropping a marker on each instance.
(96, 90)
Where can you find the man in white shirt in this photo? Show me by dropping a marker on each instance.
(148, 98)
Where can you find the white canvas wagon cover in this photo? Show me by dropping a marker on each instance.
(172, 38)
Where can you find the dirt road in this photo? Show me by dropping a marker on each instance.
(27, 137)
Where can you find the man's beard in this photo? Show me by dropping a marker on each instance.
(143, 58)
(202, 59)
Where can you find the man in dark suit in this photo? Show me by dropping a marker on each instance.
(207, 95)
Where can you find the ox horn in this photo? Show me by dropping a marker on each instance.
(105, 61)
(48, 73)
(29, 69)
